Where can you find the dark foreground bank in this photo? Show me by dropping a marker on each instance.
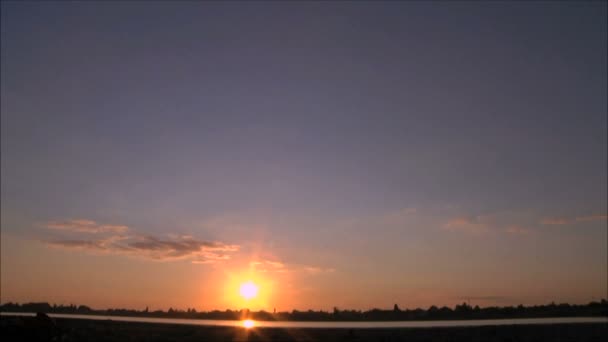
(60, 329)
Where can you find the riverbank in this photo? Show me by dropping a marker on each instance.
(62, 329)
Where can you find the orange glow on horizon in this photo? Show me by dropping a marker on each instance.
(249, 289)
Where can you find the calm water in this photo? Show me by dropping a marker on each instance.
(284, 324)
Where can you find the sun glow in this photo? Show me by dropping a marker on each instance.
(248, 290)
(248, 323)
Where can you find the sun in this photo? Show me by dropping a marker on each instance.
(248, 290)
(248, 323)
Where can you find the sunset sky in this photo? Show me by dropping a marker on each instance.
(349, 154)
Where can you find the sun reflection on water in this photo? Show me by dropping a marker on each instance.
(248, 323)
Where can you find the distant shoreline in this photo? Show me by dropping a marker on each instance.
(433, 313)
(330, 324)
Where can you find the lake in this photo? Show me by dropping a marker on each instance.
(345, 325)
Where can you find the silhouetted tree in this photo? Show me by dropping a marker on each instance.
(461, 311)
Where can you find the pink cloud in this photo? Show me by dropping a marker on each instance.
(592, 218)
(555, 221)
(565, 221)
(468, 225)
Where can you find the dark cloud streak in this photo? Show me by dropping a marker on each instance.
(151, 247)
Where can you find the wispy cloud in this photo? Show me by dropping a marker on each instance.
(516, 230)
(93, 245)
(574, 220)
(267, 266)
(181, 248)
(117, 241)
(555, 221)
(398, 217)
(107, 244)
(592, 218)
(475, 224)
(85, 226)
(485, 224)
(317, 270)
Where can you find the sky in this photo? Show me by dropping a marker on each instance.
(348, 154)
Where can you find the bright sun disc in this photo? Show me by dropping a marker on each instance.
(248, 323)
(248, 290)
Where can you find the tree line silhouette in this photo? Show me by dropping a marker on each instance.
(461, 311)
